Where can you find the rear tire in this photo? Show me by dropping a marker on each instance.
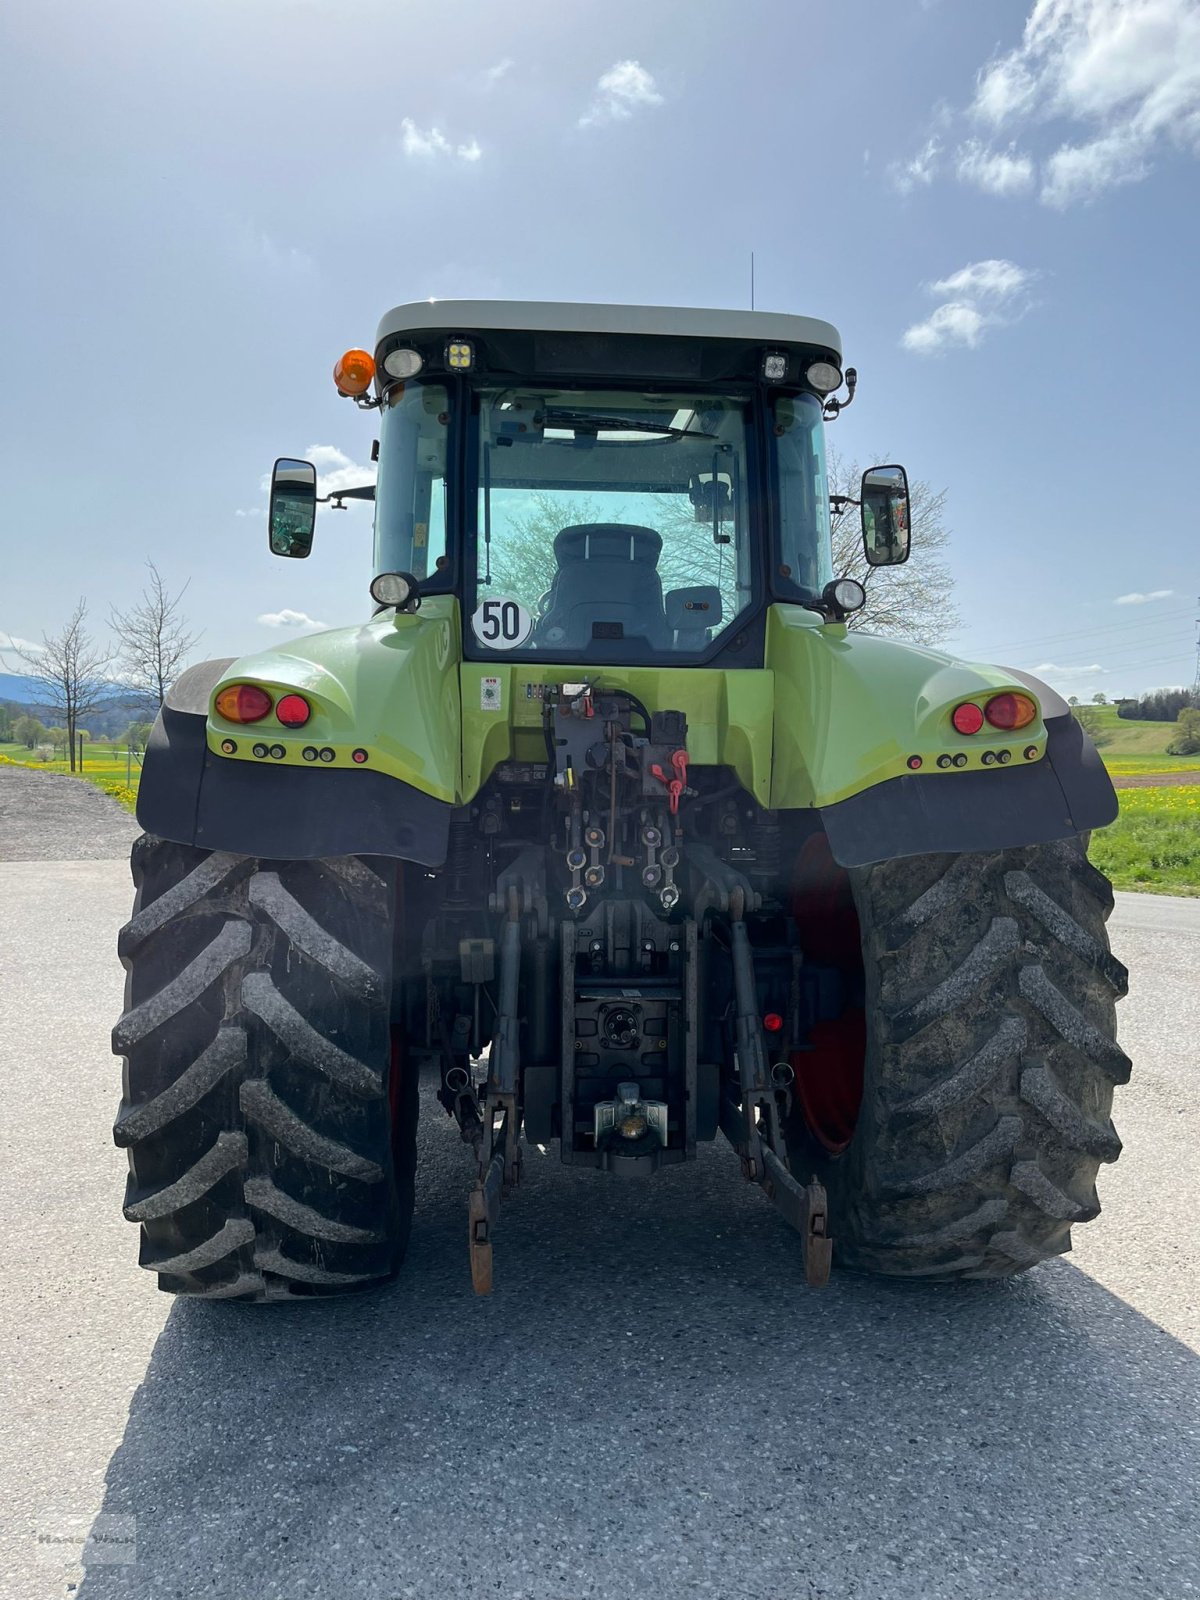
(990, 1062)
(264, 1163)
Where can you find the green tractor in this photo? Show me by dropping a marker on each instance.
(609, 825)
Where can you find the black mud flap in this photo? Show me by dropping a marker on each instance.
(1067, 792)
(190, 796)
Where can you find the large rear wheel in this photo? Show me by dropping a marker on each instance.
(270, 1126)
(971, 1142)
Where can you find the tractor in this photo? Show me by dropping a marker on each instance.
(611, 825)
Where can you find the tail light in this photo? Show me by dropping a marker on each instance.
(293, 711)
(1010, 711)
(967, 718)
(243, 702)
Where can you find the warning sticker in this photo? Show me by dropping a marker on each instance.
(490, 695)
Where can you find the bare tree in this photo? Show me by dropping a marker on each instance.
(913, 601)
(70, 671)
(153, 640)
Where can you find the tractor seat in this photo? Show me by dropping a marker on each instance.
(608, 574)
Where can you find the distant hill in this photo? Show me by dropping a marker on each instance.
(22, 690)
(112, 715)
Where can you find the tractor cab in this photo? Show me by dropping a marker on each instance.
(599, 484)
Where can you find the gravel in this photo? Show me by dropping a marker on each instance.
(651, 1401)
(47, 816)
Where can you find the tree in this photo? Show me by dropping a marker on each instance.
(57, 737)
(912, 601)
(28, 731)
(1089, 719)
(1098, 699)
(69, 669)
(153, 640)
(1187, 741)
(6, 732)
(137, 735)
(1160, 705)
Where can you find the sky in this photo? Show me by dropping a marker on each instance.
(207, 201)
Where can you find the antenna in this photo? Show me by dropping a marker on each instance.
(752, 280)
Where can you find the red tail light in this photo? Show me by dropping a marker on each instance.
(773, 1022)
(243, 702)
(293, 711)
(967, 718)
(1010, 711)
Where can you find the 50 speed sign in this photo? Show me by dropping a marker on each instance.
(501, 624)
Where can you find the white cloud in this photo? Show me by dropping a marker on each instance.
(1136, 599)
(290, 619)
(955, 324)
(1047, 669)
(492, 75)
(251, 511)
(1083, 171)
(13, 641)
(918, 171)
(992, 280)
(625, 88)
(1126, 71)
(336, 470)
(1001, 172)
(979, 296)
(429, 144)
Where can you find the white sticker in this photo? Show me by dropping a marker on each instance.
(501, 624)
(490, 696)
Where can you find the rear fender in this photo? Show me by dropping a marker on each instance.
(854, 712)
(389, 689)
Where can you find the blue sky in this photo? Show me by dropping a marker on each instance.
(995, 200)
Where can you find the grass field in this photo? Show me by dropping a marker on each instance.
(1154, 844)
(1127, 748)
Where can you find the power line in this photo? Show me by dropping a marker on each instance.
(1172, 614)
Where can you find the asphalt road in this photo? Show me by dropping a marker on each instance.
(650, 1402)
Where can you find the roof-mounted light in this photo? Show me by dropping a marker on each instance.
(354, 373)
(775, 366)
(824, 377)
(403, 364)
(399, 589)
(460, 355)
(843, 596)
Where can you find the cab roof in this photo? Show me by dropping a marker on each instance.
(554, 316)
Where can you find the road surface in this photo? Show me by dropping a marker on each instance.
(650, 1402)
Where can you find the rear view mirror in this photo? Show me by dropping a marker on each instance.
(711, 494)
(293, 511)
(883, 503)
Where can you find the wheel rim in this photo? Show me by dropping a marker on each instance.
(829, 1075)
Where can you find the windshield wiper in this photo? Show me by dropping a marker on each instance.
(591, 423)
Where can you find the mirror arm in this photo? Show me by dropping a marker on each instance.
(832, 408)
(336, 499)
